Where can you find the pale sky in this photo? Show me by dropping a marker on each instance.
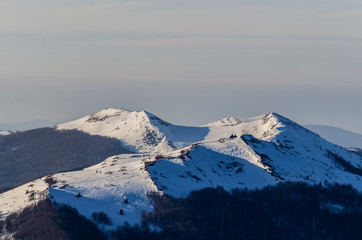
(188, 62)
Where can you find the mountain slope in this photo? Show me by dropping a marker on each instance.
(135, 129)
(338, 136)
(201, 167)
(175, 160)
(28, 155)
(297, 153)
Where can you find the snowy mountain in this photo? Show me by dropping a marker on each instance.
(338, 136)
(141, 131)
(175, 160)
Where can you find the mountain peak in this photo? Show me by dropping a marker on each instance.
(116, 109)
(111, 111)
(228, 121)
(175, 160)
(154, 120)
(140, 131)
(104, 114)
(281, 118)
(277, 116)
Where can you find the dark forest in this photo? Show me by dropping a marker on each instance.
(28, 155)
(285, 211)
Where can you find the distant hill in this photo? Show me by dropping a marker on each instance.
(27, 125)
(338, 136)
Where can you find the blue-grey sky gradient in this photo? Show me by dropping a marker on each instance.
(189, 62)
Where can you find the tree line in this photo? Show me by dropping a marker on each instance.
(285, 211)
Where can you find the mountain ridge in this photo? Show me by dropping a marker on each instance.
(27, 125)
(172, 159)
(339, 136)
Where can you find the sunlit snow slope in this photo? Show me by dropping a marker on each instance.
(5, 132)
(176, 160)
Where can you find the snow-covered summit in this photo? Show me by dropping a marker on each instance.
(177, 159)
(137, 130)
(144, 132)
(271, 135)
(228, 121)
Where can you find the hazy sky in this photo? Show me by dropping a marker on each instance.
(188, 62)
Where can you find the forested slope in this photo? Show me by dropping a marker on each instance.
(28, 155)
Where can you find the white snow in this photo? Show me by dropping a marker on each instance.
(134, 129)
(105, 186)
(20, 197)
(206, 168)
(176, 160)
(4, 132)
